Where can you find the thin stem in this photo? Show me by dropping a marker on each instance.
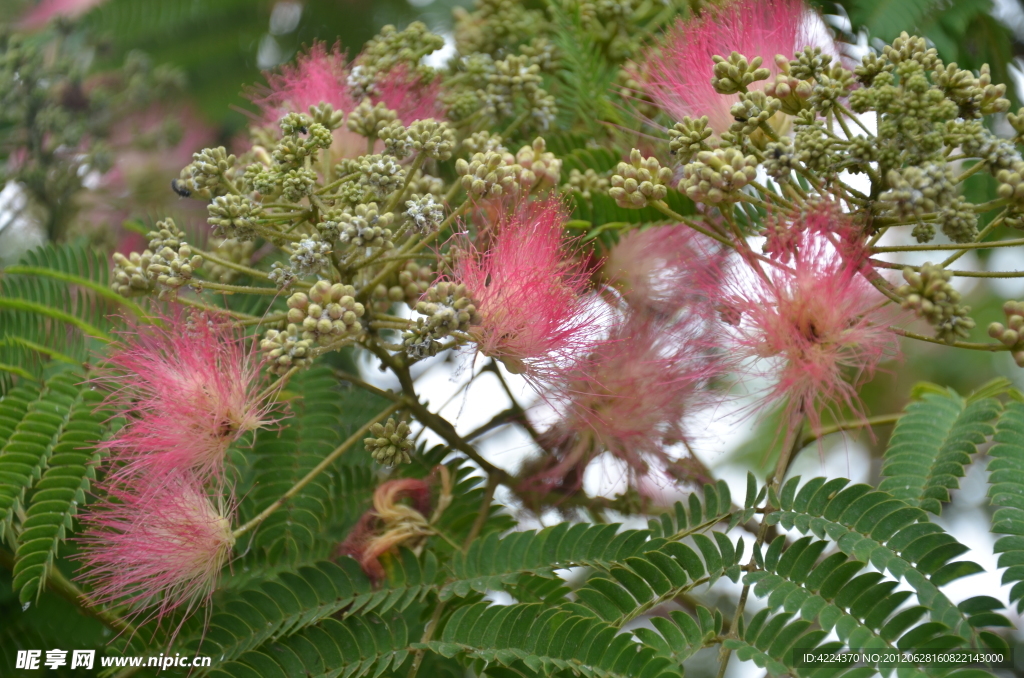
(269, 319)
(514, 125)
(950, 246)
(672, 214)
(194, 303)
(974, 169)
(356, 381)
(428, 633)
(880, 420)
(956, 273)
(974, 346)
(316, 470)
(789, 447)
(853, 116)
(981, 236)
(201, 285)
(483, 514)
(278, 385)
(438, 425)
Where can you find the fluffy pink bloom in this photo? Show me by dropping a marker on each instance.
(319, 75)
(188, 389)
(824, 220)
(630, 396)
(678, 70)
(316, 76)
(818, 325)
(409, 97)
(157, 547)
(528, 291)
(658, 269)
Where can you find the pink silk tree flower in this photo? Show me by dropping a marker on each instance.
(630, 397)
(316, 76)
(188, 389)
(157, 544)
(816, 328)
(411, 98)
(658, 269)
(677, 71)
(529, 292)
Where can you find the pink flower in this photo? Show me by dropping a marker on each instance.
(678, 71)
(528, 292)
(817, 329)
(630, 396)
(409, 97)
(157, 546)
(188, 389)
(316, 76)
(658, 269)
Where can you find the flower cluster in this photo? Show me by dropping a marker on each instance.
(382, 209)
(187, 389)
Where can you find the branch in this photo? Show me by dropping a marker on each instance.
(317, 470)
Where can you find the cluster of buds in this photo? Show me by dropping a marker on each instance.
(715, 175)
(234, 216)
(327, 313)
(130, 277)
(585, 183)
(447, 309)
(425, 213)
(639, 181)
(1011, 334)
(310, 256)
(487, 175)
(413, 282)
(513, 76)
(735, 74)
(540, 168)
(166, 265)
(688, 137)
(368, 120)
(930, 295)
(379, 175)
(792, 93)
(285, 349)
(389, 444)
(1011, 183)
(205, 176)
(431, 138)
(751, 111)
(916, 191)
(364, 226)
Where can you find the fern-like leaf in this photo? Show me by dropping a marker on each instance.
(1006, 480)
(26, 453)
(56, 497)
(932, 444)
(541, 640)
(875, 527)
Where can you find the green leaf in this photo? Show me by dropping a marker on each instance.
(932, 444)
(55, 499)
(1006, 491)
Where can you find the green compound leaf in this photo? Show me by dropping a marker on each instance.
(1006, 491)
(877, 528)
(932, 444)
